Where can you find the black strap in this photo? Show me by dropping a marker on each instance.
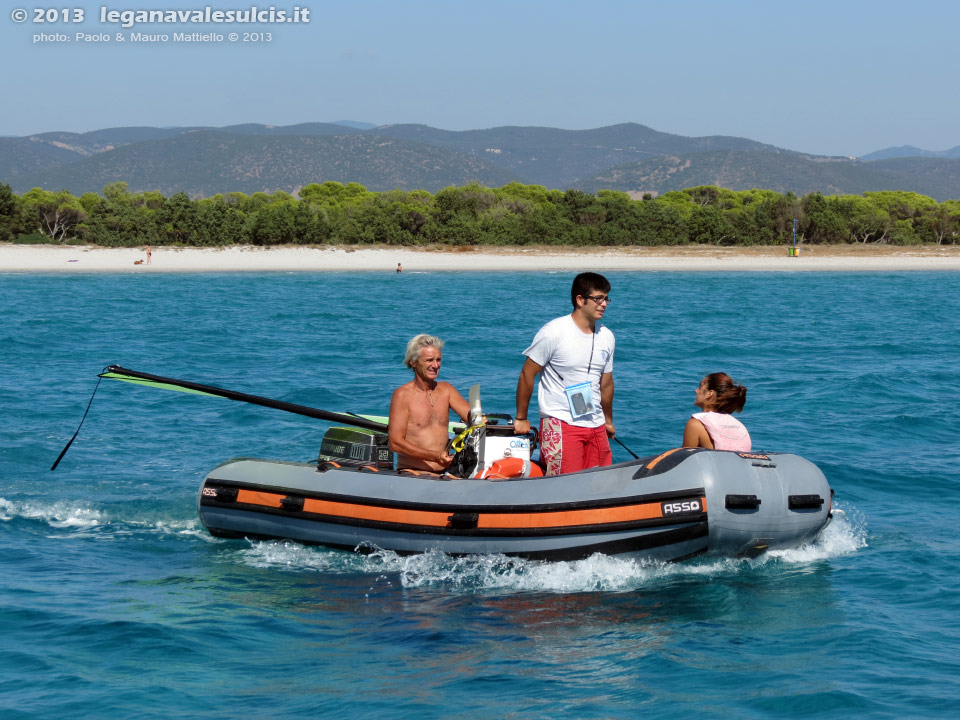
(593, 339)
(64, 451)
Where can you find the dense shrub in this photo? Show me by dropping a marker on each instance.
(514, 214)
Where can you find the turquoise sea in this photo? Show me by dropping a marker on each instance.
(115, 602)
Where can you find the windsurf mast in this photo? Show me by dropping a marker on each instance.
(116, 372)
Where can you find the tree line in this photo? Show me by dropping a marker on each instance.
(515, 214)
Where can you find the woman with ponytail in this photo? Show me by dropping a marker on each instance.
(716, 428)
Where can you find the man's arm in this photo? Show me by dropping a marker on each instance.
(606, 402)
(460, 406)
(528, 375)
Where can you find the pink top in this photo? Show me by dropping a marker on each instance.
(725, 430)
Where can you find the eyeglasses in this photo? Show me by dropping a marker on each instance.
(598, 299)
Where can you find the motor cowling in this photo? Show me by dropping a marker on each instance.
(356, 447)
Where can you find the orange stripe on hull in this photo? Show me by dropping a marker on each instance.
(379, 514)
(658, 458)
(567, 518)
(252, 497)
(486, 521)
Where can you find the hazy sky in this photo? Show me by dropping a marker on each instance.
(843, 77)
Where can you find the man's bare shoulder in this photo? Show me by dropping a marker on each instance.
(404, 389)
(402, 396)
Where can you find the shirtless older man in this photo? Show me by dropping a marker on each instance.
(420, 409)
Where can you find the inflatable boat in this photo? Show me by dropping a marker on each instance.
(680, 504)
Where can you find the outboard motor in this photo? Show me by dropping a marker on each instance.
(356, 447)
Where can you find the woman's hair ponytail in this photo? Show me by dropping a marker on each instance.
(731, 397)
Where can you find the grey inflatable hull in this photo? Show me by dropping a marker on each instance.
(677, 505)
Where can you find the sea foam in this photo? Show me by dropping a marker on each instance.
(495, 572)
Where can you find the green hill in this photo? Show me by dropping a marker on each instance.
(35, 153)
(781, 171)
(19, 156)
(97, 141)
(203, 163)
(559, 158)
(253, 157)
(905, 151)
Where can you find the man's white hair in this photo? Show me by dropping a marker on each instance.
(420, 341)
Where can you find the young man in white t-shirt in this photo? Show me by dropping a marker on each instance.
(573, 355)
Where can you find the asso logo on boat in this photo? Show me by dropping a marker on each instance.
(681, 507)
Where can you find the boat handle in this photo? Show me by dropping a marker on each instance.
(292, 504)
(464, 520)
(804, 502)
(742, 502)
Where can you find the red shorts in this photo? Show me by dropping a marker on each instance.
(567, 448)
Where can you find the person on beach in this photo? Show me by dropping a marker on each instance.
(573, 355)
(399, 268)
(716, 428)
(149, 255)
(420, 409)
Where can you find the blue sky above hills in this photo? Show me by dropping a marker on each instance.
(842, 78)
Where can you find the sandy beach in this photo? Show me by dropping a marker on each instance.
(80, 259)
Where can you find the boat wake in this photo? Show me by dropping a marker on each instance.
(60, 514)
(82, 519)
(845, 535)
